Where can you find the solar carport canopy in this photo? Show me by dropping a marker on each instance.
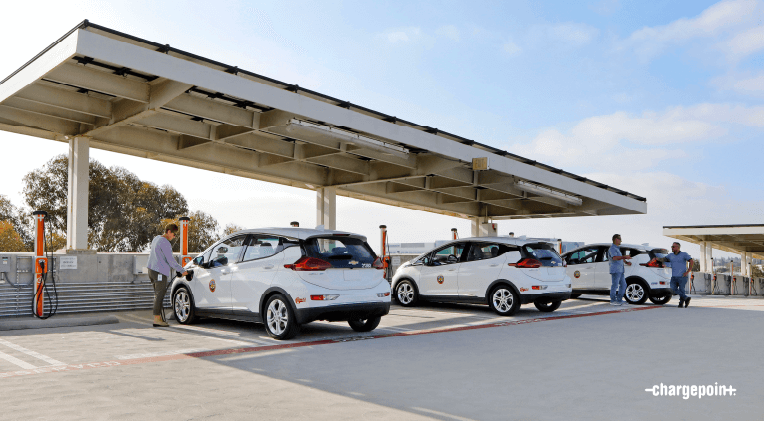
(142, 98)
(731, 238)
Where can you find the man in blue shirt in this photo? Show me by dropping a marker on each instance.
(160, 262)
(618, 285)
(679, 270)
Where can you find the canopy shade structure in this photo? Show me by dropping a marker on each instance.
(132, 96)
(736, 239)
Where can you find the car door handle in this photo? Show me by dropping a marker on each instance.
(493, 266)
(451, 270)
(225, 272)
(268, 267)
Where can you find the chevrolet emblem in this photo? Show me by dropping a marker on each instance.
(353, 262)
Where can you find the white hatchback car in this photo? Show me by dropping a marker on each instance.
(646, 276)
(286, 277)
(502, 272)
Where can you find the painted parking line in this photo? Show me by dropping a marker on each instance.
(31, 353)
(13, 360)
(229, 351)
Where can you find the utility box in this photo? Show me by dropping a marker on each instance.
(700, 283)
(139, 264)
(739, 285)
(723, 284)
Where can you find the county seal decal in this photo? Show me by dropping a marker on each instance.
(441, 279)
(577, 274)
(212, 285)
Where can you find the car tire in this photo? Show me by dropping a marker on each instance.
(406, 293)
(504, 300)
(575, 295)
(280, 320)
(547, 307)
(183, 306)
(365, 325)
(636, 293)
(661, 300)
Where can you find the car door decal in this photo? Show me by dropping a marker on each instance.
(441, 279)
(212, 285)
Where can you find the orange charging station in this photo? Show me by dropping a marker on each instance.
(184, 257)
(40, 261)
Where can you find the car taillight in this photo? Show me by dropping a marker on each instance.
(653, 264)
(309, 264)
(526, 263)
(378, 263)
(324, 297)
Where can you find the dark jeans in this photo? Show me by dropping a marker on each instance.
(677, 286)
(160, 288)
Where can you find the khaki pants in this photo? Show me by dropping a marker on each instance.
(160, 288)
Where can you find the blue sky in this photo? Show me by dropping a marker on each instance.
(662, 99)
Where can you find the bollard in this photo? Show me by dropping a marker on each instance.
(454, 234)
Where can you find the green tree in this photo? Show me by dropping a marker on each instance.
(10, 240)
(19, 219)
(122, 209)
(202, 231)
(230, 229)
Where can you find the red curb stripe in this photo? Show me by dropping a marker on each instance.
(228, 351)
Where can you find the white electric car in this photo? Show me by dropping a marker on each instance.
(499, 271)
(286, 277)
(646, 276)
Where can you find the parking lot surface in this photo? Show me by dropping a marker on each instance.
(588, 360)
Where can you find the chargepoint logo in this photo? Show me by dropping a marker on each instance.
(685, 391)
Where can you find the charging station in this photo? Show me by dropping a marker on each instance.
(184, 256)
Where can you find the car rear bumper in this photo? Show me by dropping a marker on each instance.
(659, 292)
(342, 312)
(544, 298)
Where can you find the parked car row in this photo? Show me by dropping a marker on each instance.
(287, 277)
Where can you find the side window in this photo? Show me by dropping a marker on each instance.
(482, 251)
(587, 255)
(260, 246)
(227, 251)
(449, 254)
(604, 255)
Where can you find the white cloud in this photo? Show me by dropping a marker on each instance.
(449, 31)
(571, 33)
(636, 143)
(721, 17)
(746, 42)
(402, 34)
(511, 48)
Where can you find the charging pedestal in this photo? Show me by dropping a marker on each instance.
(184, 257)
(40, 261)
(383, 249)
(454, 234)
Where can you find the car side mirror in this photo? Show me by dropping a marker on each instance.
(199, 260)
(427, 261)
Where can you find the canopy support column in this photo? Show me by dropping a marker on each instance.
(326, 207)
(77, 200)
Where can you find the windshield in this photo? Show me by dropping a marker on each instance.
(543, 252)
(341, 252)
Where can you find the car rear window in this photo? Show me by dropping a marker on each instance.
(341, 252)
(658, 253)
(543, 252)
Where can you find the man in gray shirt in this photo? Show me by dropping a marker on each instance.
(618, 285)
(160, 262)
(678, 261)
